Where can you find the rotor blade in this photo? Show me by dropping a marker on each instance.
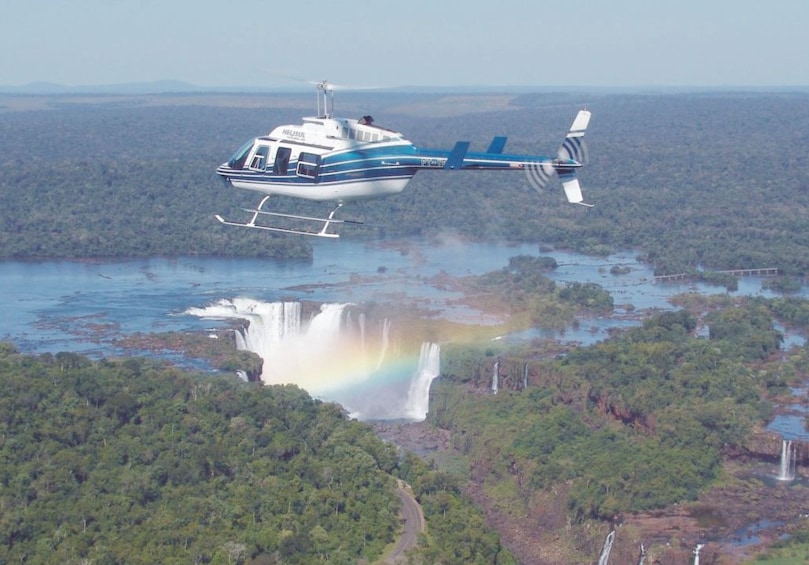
(539, 174)
(574, 148)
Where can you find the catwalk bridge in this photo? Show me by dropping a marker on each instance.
(764, 272)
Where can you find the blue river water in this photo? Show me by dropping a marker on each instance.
(52, 306)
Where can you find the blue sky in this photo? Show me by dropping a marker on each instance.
(380, 43)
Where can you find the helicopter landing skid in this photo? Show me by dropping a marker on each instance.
(323, 232)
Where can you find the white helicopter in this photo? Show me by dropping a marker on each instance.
(343, 160)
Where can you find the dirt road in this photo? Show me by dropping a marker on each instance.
(413, 524)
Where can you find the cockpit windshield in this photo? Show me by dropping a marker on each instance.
(238, 159)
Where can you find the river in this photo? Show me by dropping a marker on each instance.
(52, 306)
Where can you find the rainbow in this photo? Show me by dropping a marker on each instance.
(334, 357)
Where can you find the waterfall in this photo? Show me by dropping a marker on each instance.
(326, 324)
(418, 397)
(604, 558)
(696, 552)
(289, 349)
(269, 322)
(495, 377)
(361, 322)
(525, 376)
(336, 356)
(385, 342)
(786, 471)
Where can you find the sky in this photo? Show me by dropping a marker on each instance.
(386, 43)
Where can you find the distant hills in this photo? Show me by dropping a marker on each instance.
(181, 87)
(154, 87)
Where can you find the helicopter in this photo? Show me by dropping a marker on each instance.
(342, 160)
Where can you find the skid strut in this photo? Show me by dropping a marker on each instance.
(258, 212)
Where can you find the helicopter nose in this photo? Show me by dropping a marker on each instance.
(224, 171)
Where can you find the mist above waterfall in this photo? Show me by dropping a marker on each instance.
(337, 355)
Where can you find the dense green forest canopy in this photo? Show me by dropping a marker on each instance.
(717, 180)
(637, 422)
(129, 461)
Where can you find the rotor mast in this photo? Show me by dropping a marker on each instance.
(325, 99)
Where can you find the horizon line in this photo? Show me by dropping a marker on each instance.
(182, 87)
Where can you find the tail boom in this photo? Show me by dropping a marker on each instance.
(571, 155)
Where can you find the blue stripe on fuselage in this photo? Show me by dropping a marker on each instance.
(386, 161)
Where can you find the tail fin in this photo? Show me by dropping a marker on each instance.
(571, 155)
(573, 149)
(573, 146)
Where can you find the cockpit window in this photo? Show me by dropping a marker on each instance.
(238, 159)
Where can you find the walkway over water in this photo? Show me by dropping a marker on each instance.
(762, 272)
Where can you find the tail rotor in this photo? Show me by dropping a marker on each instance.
(540, 174)
(572, 154)
(574, 148)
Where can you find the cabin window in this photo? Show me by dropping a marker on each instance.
(281, 162)
(259, 161)
(308, 165)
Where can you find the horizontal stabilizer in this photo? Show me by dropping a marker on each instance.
(497, 145)
(573, 190)
(455, 159)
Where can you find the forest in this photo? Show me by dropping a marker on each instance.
(692, 180)
(132, 461)
(108, 458)
(640, 422)
(636, 422)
